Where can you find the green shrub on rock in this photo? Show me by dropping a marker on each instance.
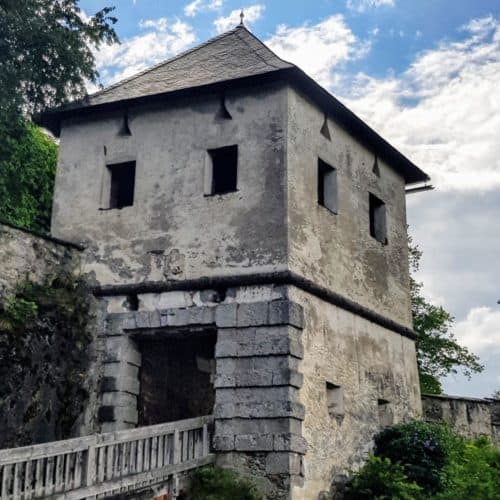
(214, 483)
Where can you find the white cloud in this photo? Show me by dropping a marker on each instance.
(162, 39)
(196, 6)
(364, 5)
(480, 330)
(319, 49)
(444, 110)
(252, 14)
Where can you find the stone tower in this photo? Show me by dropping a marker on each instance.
(247, 234)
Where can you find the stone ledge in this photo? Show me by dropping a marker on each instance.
(275, 426)
(260, 341)
(279, 312)
(255, 378)
(267, 409)
(257, 395)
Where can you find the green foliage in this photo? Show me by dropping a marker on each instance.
(473, 472)
(438, 352)
(27, 171)
(423, 450)
(428, 461)
(44, 344)
(46, 53)
(213, 483)
(380, 479)
(46, 58)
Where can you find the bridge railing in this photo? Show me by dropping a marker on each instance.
(104, 464)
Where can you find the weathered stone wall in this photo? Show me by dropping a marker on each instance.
(372, 373)
(28, 256)
(30, 414)
(470, 417)
(336, 250)
(174, 230)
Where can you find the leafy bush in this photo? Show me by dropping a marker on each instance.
(428, 461)
(423, 449)
(473, 473)
(213, 483)
(380, 479)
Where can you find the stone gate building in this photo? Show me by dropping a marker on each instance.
(247, 234)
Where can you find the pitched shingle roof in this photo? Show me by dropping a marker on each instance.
(231, 57)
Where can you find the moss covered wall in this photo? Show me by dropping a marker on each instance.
(48, 349)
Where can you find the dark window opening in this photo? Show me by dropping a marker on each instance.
(327, 186)
(222, 112)
(224, 169)
(176, 376)
(122, 184)
(385, 416)
(325, 131)
(132, 302)
(378, 224)
(334, 399)
(376, 168)
(125, 129)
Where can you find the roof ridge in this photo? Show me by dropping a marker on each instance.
(266, 46)
(166, 61)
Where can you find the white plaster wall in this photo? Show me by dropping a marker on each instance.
(173, 231)
(369, 363)
(336, 250)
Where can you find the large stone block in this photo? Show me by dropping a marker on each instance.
(284, 312)
(257, 395)
(283, 463)
(267, 409)
(254, 442)
(290, 442)
(122, 348)
(225, 315)
(252, 314)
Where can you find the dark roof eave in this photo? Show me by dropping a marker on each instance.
(352, 123)
(358, 128)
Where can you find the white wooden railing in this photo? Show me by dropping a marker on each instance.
(105, 464)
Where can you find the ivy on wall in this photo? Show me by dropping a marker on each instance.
(44, 359)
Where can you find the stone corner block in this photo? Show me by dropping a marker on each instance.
(223, 443)
(283, 463)
(290, 442)
(252, 314)
(226, 315)
(284, 312)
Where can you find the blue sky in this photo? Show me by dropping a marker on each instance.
(426, 75)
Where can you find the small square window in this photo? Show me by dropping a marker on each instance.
(327, 186)
(385, 417)
(122, 184)
(224, 169)
(334, 399)
(378, 224)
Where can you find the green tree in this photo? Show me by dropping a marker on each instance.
(438, 352)
(27, 179)
(46, 52)
(46, 60)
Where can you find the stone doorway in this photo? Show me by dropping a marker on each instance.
(176, 376)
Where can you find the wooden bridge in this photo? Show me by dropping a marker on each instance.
(107, 464)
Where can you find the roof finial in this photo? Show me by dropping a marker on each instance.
(242, 16)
